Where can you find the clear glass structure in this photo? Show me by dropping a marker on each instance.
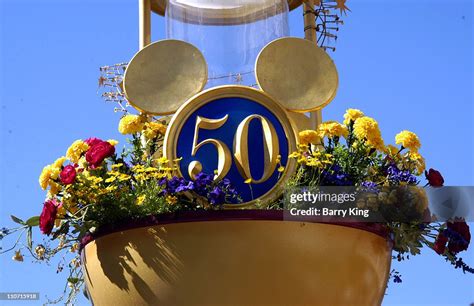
(230, 33)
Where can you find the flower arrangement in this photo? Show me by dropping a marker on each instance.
(93, 186)
(353, 153)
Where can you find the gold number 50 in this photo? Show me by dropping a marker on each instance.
(241, 150)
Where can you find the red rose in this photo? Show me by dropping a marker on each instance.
(434, 178)
(440, 243)
(68, 175)
(462, 229)
(92, 141)
(48, 216)
(98, 152)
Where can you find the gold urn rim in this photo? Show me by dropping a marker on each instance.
(378, 229)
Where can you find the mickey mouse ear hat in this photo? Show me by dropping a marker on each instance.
(163, 75)
(297, 73)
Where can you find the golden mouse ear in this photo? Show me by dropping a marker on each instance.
(164, 75)
(297, 73)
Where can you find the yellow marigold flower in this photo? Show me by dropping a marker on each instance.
(45, 176)
(55, 188)
(332, 129)
(55, 172)
(308, 136)
(391, 150)
(419, 161)
(113, 142)
(352, 115)
(376, 142)
(58, 163)
(366, 128)
(75, 151)
(248, 181)
(131, 124)
(153, 129)
(408, 140)
(281, 169)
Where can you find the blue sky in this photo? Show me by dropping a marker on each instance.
(409, 64)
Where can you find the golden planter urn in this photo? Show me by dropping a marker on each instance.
(245, 257)
(224, 64)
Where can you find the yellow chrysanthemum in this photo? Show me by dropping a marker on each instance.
(55, 188)
(131, 124)
(352, 115)
(332, 129)
(376, 142)
(308, 136)
(45, 177)
(153, 129)
(58, 163)
(75, 151)
(408, 140)
(366, 128)
(55, 172)
(391, 150)
(418, 161)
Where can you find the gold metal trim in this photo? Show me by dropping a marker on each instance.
(234, 91)
(163, 75)
(159, 7)
(297, 73)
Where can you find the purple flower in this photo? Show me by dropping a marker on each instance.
(396, 175)
(217, 193)
(217, 196)
(175, 185)
(369, 186)
(335, 176)
(185, 187)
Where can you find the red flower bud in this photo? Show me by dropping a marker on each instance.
(460, 227)
(92, 141)
(440, 243)
(68, 175)
(434, 178)
(98, 152)
(48, 216)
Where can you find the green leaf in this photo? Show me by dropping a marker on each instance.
(73, 280)
(33, 221)
(29, 240)
(17, 220)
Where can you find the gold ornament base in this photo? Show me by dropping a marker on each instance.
(235, 258)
